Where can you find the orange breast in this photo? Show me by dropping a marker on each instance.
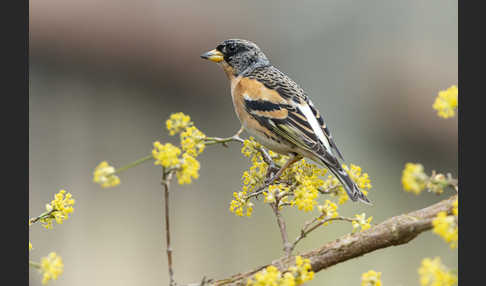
(254, 90)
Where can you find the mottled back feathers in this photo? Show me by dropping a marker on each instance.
(276, 80)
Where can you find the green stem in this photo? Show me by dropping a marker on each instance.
(34, 264)
(216, 140)
(43, 215)
(133, 164)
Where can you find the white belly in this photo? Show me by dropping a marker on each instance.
(268, 143)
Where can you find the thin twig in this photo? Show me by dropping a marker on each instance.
(223, 141)
(283, 230)
(133, 164)
(41, 216)
(166, 177)
(306, 230)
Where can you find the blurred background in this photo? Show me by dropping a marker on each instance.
(105, 75)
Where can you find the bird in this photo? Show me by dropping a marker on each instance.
(277, 112)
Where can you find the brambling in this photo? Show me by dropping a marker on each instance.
(276, 111)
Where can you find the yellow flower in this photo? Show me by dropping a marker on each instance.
(271, 276)
(305, 179)
(287, 280)
(166, 155)
(269, 195)
(361, 179)
(446, 102)
(302, 271)
(189, 169)
(371, 278)
(256, 174)
(61, 207)
(329, 209)
(104, 175)
(433, 273)
(455, 207)
(250, 147)
(266, 277)
(446, 227)
(305, 197)
(239, 203)
(362, 222)
(436, 183)
(413, 178)
(51, 267)
(333, 185)
(30, 246)
(192, 141)
(177, 122)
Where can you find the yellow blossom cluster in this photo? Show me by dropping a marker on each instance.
(361, 221)
(59, 209)
(437, 183)
(329, 209)
(356, 173)
(371, 278)
(446, 226)
(433, 273)
(446, 102)
(299, 185)
(302, 271)
(306, 179)
(192, 141)
(414, 178)
(281, 190)
(177, 122)
(30, 246)
(295, 275)
(166, 155)
(51, 267)
(252, 178)
(270, 193)
(189, 169)
(192, 144)
(455, 207)
(239, 203)
(256, 174)
(300, 181)
(104, 174)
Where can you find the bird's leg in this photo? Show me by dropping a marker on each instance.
(272, 169)
(293, 158)
(237, 134)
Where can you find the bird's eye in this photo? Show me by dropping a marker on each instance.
(230, 48)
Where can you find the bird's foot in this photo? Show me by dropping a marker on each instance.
(237, 134)
(272, 174)
(271, 179)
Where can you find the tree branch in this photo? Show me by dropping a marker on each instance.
(393, 231)
(283, 230)
(166, 177)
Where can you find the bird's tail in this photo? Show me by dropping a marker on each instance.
(350, 186)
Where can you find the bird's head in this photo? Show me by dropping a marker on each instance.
(237, 56)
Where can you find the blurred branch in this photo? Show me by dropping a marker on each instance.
(166, 177)
(393, 231)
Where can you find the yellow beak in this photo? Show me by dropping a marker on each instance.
(213, 55)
